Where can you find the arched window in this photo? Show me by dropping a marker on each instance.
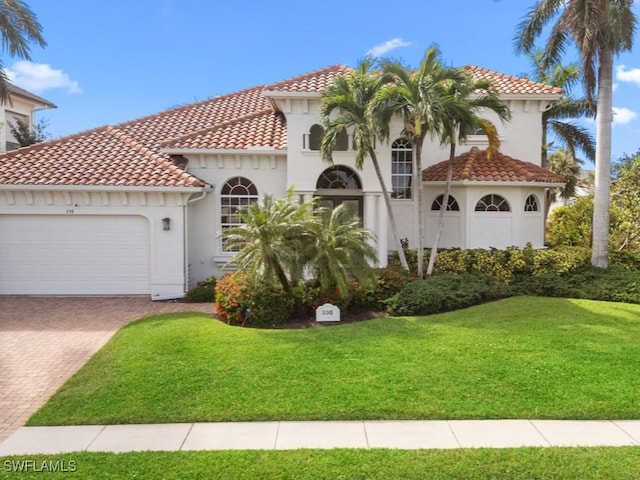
(339, 177)
(492, 203)
(235, 197)
(316, 132)
(342, 142)
(531, 204)
(452, 204)
(480, 132)
(401, 168)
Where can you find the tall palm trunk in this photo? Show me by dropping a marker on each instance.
(443, 209)
(604, 117)
(417, 185)
(387, 202)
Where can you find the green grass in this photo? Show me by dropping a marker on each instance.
(525, 463)
(523, 357)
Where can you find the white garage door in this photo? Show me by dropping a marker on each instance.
(74, 255)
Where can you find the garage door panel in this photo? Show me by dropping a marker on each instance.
(51, 254)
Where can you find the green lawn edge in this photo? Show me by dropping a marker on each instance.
(618, 463)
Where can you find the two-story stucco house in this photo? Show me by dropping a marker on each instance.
(22, 106)
(137, 208)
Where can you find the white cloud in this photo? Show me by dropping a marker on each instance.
(614, 87)
(622, 115)
(387, 46)
(38, 77)
(631, 75)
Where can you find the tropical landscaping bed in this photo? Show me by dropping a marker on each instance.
(524, 463)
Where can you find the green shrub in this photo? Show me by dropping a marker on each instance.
(560, 259)
(615, 284)
(626, 259)
(204, 292)
(240, 301)
(444, 292)
(505, 265)
(388, 282)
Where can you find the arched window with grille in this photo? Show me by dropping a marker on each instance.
(452, 204)
(492, 203)
(401, 168)
(531, 204)
(235, 197)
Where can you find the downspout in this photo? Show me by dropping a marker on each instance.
(185, 233)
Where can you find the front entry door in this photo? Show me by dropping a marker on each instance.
(353, 204)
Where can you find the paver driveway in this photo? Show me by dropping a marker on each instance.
(45, 340)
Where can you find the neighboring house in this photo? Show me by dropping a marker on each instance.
(22, 106)
(137, 208)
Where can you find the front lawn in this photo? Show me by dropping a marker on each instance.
(523, 357)
(523, 463)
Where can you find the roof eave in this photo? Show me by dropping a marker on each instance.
(495, 183)
(224, 151)
(102, 188)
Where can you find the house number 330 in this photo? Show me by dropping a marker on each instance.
(70, 211)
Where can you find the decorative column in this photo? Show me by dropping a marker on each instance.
(383, 231)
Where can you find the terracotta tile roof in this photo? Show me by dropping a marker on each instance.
(510, 85)
(156, 129)
(475, 166)
(262, 129)
(131, 154)
(315, 81)
(104, 156)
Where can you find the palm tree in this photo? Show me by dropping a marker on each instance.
(269, 241)
(349, 102)
(600, 29)
(555, 119)
(464, 101)
(341, 251)
(563, 163)
(18, 27)
(417, 95)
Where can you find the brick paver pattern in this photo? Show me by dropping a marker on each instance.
(45, 340)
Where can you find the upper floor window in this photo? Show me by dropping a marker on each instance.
(480, 132)
(452, 204)
(316, 132)
(531, 204)
(235, 197)
(401, 168)
(492, 203)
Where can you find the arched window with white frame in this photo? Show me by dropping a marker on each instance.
(235, 197)
(493, 203)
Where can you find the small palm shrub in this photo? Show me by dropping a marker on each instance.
(204, 292)
(242, 301)
(443, 293)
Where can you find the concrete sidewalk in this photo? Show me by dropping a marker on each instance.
(437, 434)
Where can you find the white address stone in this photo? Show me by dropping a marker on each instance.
(327, 313)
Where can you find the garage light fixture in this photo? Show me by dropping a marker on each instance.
(166, 223)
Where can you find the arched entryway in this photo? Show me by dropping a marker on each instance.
(340, 185)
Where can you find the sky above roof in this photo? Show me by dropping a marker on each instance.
(114, 62)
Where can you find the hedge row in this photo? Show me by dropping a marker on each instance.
(507, 264)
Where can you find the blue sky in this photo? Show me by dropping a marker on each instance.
(110, 62)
